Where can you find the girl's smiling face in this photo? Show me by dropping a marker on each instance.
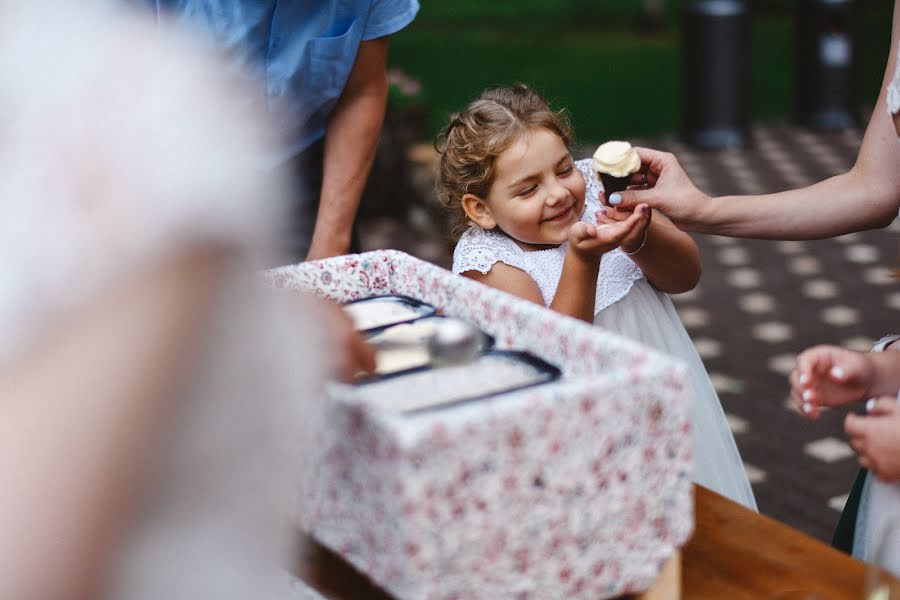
(537, 192)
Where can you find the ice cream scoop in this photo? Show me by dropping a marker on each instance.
(440, 341)
(615, 162)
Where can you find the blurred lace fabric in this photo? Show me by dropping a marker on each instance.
(124, 142)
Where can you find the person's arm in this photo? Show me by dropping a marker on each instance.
(81, 413)
(351, 138)
(866, 197)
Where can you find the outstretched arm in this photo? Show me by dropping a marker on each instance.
(350, 142)
(866, 197)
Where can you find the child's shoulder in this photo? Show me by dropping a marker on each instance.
(478, 249)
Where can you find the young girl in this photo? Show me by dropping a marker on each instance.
(535, 227)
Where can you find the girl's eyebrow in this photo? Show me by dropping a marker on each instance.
(522, 180)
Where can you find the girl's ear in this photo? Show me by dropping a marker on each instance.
(478, 211)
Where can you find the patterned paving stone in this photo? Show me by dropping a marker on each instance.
(773, 332)
(849, 238)
(879, 276)
(837, 503)
(744, 278)
(782, 364)
(754, 474)
(708, 347)
(725, 384)
(757, 303)
(685, 297)
(694, 317)
(862, 254)
(840, 316)
(820, 289)
(737, 424)
(858, 343)
(734, 256)
(893, 300)
(804, 265)
(790, 247)
(829, 449)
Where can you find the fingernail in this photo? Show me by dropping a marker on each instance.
(837, 372)
(870, 404)
(645, 210)
(604, 212)
(615, 199)
(807, 408)
(807, 395)
(804, 378)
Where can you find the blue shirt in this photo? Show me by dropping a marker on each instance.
(304, 48)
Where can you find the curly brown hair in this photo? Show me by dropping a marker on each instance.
(474, 138)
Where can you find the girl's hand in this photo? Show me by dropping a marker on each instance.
(876, 438)
(830, 376)
(590, 241)
(632, 242)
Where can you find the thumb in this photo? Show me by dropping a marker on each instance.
(881, 407)
(629, 199)
(855, 425)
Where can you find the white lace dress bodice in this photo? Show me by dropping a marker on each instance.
(628, 305)
(478, 249)
(893, 89)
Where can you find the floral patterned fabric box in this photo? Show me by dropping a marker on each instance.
(579, 488)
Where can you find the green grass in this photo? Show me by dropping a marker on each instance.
(588, 57)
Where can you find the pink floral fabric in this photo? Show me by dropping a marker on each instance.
(576, 489)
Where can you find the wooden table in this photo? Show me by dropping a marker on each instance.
(734, 554)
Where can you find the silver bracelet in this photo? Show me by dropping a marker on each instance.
(643, 241)
(882, 344)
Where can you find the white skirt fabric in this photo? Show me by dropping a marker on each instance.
(649, 317)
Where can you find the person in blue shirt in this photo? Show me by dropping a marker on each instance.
(324, 65)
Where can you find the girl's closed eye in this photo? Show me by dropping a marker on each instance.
(567, 170)
(527, 191)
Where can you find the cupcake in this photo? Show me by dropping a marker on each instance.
(615, 163)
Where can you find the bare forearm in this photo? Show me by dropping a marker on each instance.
(577, 289)
(866, 197)
(669, 258)
(81, 414)
(349, 151)
(854, 201)
(350, 142)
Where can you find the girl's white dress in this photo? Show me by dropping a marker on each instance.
(628, 305)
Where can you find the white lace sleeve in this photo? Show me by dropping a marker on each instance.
(478, 249)
(893, 90)
(617, 272)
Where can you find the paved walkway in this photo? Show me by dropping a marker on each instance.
(760, 303)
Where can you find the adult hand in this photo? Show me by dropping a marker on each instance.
(589, 240)
(669, 190)
(354, 355)
(876, 438)
(830, 376)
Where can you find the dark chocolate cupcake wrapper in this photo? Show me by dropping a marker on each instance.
(614, 184)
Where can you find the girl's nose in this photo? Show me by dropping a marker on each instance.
(556, 193)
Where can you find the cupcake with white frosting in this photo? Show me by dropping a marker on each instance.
(615, 163)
